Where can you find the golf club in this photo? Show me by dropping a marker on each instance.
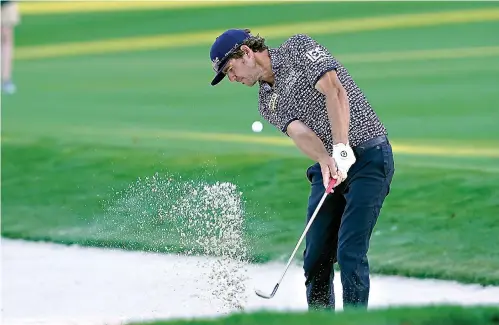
(329, 189)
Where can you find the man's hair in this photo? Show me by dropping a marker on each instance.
(255, 43)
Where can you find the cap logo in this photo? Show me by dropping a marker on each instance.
(215, 63)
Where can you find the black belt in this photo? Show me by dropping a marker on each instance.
(359, 149)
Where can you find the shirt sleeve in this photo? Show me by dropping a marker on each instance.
(314, 58)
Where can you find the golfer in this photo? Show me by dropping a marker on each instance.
(10, 19)
(310, 96)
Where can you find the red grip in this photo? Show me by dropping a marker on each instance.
(332, 182)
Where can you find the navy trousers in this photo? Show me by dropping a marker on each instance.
(342, 229)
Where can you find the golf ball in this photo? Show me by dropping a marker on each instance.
(257, 126)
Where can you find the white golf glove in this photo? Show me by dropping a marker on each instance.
(344, 157)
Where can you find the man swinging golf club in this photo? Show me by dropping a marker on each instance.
(310, 96)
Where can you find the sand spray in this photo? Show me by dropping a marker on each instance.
(193, 218)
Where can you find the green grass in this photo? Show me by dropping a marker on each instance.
(46, 29)
(82, 130)
(73, 191)
(448, 315)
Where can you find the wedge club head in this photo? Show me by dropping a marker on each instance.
(266, 296)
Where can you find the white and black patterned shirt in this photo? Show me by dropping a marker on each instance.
(298, 64)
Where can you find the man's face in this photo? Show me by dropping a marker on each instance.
(243, 70)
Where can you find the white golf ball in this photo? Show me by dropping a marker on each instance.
(257, 126)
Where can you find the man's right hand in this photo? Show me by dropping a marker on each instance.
(312, 146)
(329, 170)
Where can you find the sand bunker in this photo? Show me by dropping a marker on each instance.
(53, 284)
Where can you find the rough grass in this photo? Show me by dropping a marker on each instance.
(435, 223)
(432, 315)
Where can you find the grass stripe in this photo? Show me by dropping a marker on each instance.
(398, 147)
(434, 54)
(454, 165)
(204, 38)
(37, 8)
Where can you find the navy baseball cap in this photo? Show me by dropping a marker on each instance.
(225, 44)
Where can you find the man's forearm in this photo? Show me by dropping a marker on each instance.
(338, 110)
(308, 142)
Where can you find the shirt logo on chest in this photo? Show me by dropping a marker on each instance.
(273, 101)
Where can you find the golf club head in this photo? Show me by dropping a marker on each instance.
(262, 294)
(266, 296)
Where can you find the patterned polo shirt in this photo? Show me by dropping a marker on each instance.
(298, 64)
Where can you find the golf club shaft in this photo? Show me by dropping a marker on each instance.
(328, 190)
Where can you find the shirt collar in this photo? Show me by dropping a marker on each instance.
(276, 64)
(275, 59)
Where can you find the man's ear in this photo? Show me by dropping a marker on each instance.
(246, 50)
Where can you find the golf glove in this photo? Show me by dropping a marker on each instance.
(344, 157)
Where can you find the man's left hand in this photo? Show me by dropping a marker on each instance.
(344, 157)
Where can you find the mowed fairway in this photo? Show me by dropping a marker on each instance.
(84, 127)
